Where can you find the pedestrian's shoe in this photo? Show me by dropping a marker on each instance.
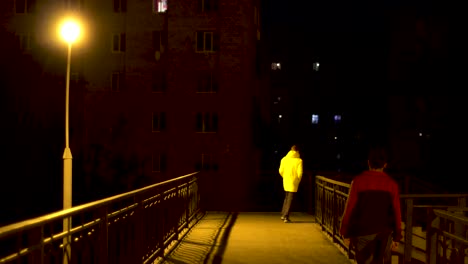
(283, 217)
(286, 220)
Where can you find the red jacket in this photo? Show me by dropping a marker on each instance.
(373, 206)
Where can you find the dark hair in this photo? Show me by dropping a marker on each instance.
(377, 157)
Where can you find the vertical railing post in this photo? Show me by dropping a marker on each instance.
(459, 229)
(175, 216)
(334, 213)
(311, 195)
(408, 231)
(103, 237)
(431, 236)
(187, 202)
(323, 206)
(316, 200)
(139, 224)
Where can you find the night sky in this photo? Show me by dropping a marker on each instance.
(375, 50)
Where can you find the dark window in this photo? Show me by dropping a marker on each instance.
(207, 41)
(207, 5)
(215, 42)
(159, 82)
(163, 162)
(159, 121)
(206, 122)
(20, 6)
(123, 44)
(157, 40)
(116, 5)
(123, 5)
(206, 162)
(117, 81)
(214, 120)
(207, 82)
(30, 5)
(115, 43)
(119, 42)
(199, 122)
(120, 6)
(24, 41)
(159, 162)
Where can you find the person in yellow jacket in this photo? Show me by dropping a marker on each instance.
(291, 170)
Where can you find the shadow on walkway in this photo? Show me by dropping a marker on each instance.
(255, 237)
(205, 242)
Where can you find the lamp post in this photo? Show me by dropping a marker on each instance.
(70, 31)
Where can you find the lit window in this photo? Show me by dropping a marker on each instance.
(206, 122)
(119, 42)
(159, 6)
(158, 121)
(337, 119)
(316, 66)
(207, 41)
(315, 119)
(276, 66)
(120, 6)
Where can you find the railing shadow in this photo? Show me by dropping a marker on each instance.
(204, 244)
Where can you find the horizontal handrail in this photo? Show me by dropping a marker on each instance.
(15, 227)
(331, 196)
(451, 216)
(343, 184)
(139, 224)
(436, 195)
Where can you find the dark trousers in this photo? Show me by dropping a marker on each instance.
(288, 197)
(373, 249)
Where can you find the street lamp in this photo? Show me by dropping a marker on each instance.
(70, 31)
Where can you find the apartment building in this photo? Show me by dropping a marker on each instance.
(161, 89)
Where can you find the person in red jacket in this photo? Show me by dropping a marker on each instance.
(371, 222)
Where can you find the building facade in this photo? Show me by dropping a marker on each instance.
(159, 89)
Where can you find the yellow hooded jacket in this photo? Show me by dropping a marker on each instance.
(291, 171)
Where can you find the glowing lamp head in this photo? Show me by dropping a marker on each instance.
(70, 31)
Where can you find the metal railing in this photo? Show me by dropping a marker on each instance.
(443, 216)
(133, 227)
(449, 233)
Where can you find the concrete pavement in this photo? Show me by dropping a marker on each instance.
(255, 237)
